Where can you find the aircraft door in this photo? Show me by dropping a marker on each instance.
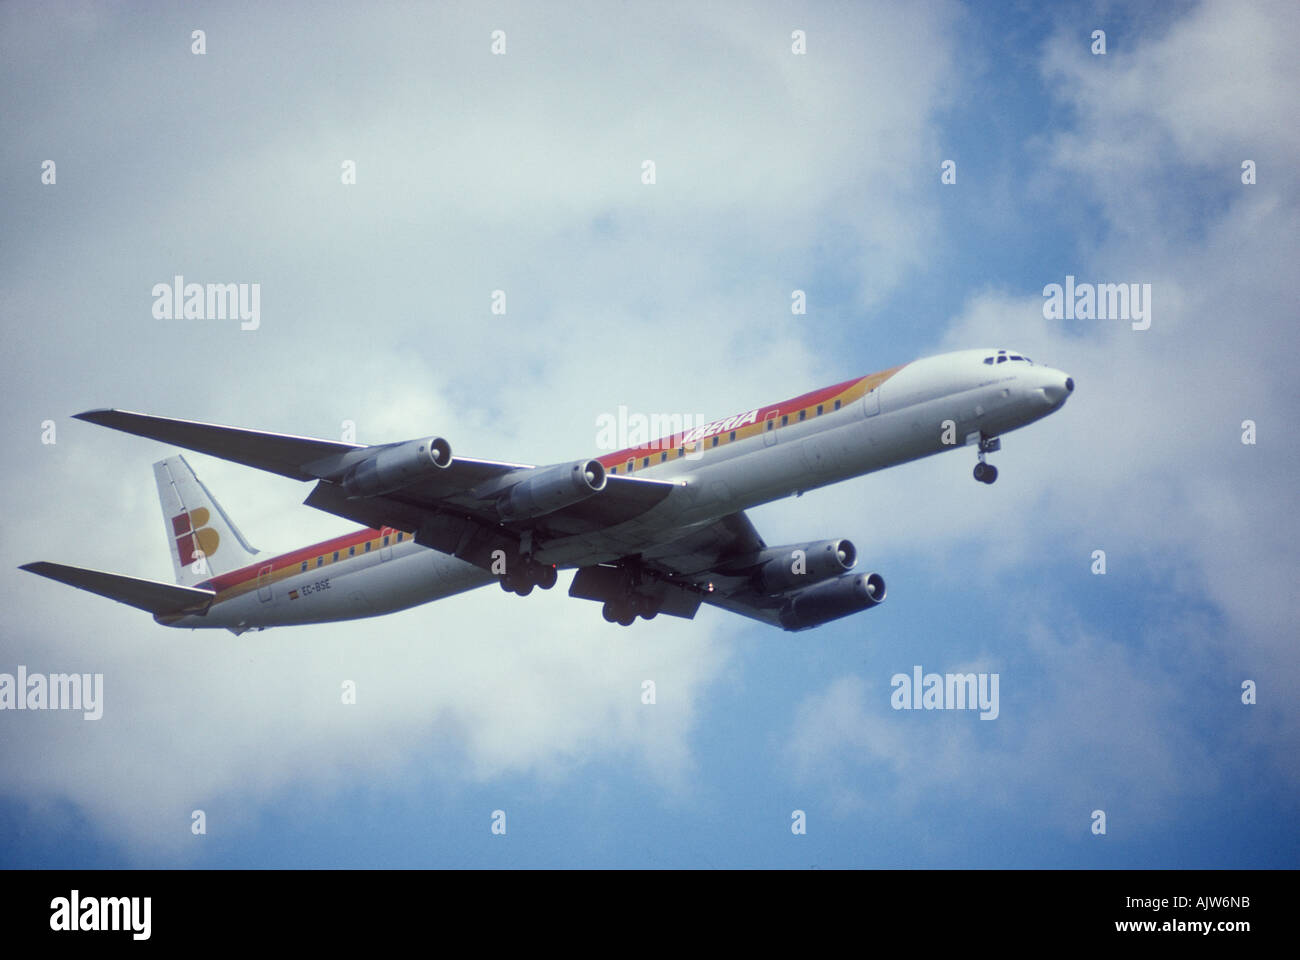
(769, 428)
(871, 402)
(386, 536)
(264, 583)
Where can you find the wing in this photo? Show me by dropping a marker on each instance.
(465, 524)
(298, 458)
(718, 561)
(276, 452)
(713, 564)
(450, 503)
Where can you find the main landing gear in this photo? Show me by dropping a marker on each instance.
(986, 472)
(627, 609)
(526, 574)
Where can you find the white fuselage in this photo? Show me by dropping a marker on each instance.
(928, 406)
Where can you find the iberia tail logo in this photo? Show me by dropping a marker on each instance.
(194, 539)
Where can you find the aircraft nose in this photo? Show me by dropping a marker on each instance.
(1058, 388)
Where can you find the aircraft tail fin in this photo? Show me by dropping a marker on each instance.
(201, 537)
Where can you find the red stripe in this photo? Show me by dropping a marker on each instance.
(674, 440)
(325, 548)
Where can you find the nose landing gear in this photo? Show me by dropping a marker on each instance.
(986, 472)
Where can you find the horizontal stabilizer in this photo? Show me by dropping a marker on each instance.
(150, 595)
(277, 452)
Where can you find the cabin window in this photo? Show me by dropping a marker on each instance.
(352, 551)
(803, 414)
(1002, 359)
(785, 419)
(770, 421)
(367, 550)
(320, 561)
(819, 409)
(400, 535)
(837, 404)
(387, 537)
(336, 556)
(613, 470)
(630, 465)
(663, 456)
(733, 437)
(681, 451)
(304, 566)
(715, 441)
(645, 462)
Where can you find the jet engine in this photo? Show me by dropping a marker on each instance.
(396, 466)
(832, 599)
(786, 568)
(548, 489)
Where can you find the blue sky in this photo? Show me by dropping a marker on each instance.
(775, 172)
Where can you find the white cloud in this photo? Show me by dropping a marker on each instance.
(473, 173)
(1084, 724)
(1145, 460)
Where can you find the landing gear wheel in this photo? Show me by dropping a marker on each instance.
(545, 576)
(616, 612)
(525, 589)
(986, 472)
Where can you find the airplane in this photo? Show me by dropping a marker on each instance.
(656, 528)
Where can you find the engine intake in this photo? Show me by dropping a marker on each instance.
(548, 489)
(824, 602)
(397, 466)
(803, 564)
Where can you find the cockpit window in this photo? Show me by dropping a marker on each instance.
(1003, 357)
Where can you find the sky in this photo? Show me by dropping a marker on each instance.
(522, 171)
